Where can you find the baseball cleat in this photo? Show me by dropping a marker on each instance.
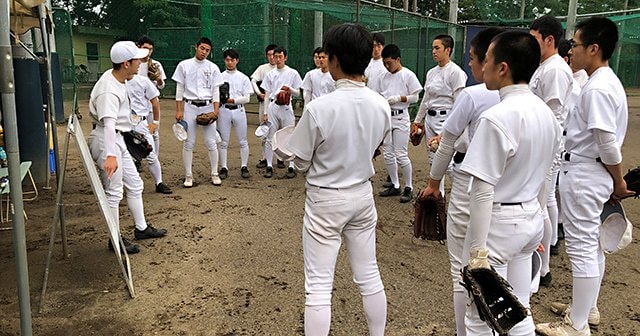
(244, 172)
(563, 309)
(163, 188)
(281, 164)
(388, 183)
(291, 173)
(149, 232)
(262, 163)
(215, 179)
(188, 182)
(129, 246)
(562, 328)
(407, 195)
(390, 192)
(224, 172)
(269, 172)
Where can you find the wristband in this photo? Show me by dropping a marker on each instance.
(156, 122)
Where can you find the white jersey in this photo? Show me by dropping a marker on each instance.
(141, 90)
(402, 83)
(514, 145)
(441, 86)
(318, 83)
(274, 80)
(581, 77)
(109, 99)
(200, 78)
(373, 72)
(468, 107)
(552, 82)
(328, 123)
(261, 72)
(239, 84)
(143, 70)
(602, 105)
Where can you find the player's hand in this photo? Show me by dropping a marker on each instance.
(110, 165)
(179, 115)
(231, 101)
(262, 96)
(393, 100)
(213, 115)
(432, 189)
(620, 191)
(152, 127)
(265, 118)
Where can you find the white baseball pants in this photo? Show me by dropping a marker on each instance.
(396, 152)
(209, 132)
(237, 118)
(280, 117)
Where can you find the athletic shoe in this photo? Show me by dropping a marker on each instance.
(280, 164)
(163, 188)
(387, 183)
(244, 172)
(269, 172)
(129, 246)
(138, 165)
(215, 179)
(554, 249)
(563, 309)
(149, 232)
(262, 163)
(390, 192)
(407, 195)
(188, 182)
(562, 328)
(545, 280)
(291, 173)
(224, 172)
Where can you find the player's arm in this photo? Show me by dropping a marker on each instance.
(304, 140)
(480, 208)
(179, 101)
(612, 159)
(256, 89)
(265, 116)
(422, 110)
(440, 164)
(307, 94)
(160, 80)
(216, 101)
(155, 107)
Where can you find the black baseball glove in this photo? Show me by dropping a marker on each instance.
(224, 93)
(137, 144)
(632, 177)
(430, 220)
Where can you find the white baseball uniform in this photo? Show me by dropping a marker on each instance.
(510, 154)
(201, 80)
(141, 90)
(395, 150)
(317, 83)
(110, 112)
(581, 77)
(280, 116)
(143, 70)
(339, 201)
(234, 114)
(373, 72)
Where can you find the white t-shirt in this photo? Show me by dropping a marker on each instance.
(602, 104)
(373, 72)
(339, 132)
(109, 99)
(581, 77)
(468, 107)
(262, 71)
(402, 83)
(276, 79)
(143, 70)
(552, 82)
(441, 85)
(201, 79)
(141, 90)
(514, 145)
(318, 83)
(239, 83)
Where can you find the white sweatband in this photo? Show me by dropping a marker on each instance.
(109, 136)
(156, 122)
(443, 156)
(242, 99)
(480, 208)
(179, 91)
(607, 146)
(412, 98)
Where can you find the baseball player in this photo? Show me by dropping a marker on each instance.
(143, 96)
(283, 78)
(157, 76)
(317, 82)
(400, 87)
(110, 114)
(197, 92)
(376, 68)
(461, 124)
(442, 85)
(552, 82)
(340, 203)
(256, 79)
(508, 159)
(232, 113)
(591, 170)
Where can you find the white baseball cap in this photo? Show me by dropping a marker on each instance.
(280, 140)
(126, 50)
(615, 231)
(263, 130)
(180, 130)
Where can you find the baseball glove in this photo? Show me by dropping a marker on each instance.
(430, 219)
(153, 70)
(283, 98)
(632, 177)
(496, 303)
(137, 144)
(417, 133)
(224, 92)
(206, 119)
(258, 83)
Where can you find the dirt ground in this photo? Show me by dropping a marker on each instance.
(232, 261)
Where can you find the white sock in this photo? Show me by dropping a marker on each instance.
(213, 160)
(375, 308)
(392, 170)
(268, 154)
(317, 320)
(137, 211)
(584, 294)
(546, 244)
(156, 172)
(406, 173)
(460, 300)
(223, 157)
(244, 156)
(187, 159)
(601, 265)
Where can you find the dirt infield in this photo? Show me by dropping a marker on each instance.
(232, 261)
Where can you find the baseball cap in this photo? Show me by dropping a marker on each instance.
(280, 141)
(615, 231)
(125, 50)
(180, 130)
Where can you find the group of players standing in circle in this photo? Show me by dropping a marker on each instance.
(503, 142)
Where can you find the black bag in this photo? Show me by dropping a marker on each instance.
(137, 144)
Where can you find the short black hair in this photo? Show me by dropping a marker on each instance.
(548, 25)
(447, 41)
(278, 50)
(144, 39)
(204, 40)
(270, 47)
(481, 41)
(351, 44)
(601, 31)
(563, 47)
(318, 50)
(391, 50)
(520, 50)
(378, 37)
(231, 53)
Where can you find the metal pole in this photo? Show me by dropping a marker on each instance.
(523, 4)
(571, 19)
(318, 27)
(7, 89)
